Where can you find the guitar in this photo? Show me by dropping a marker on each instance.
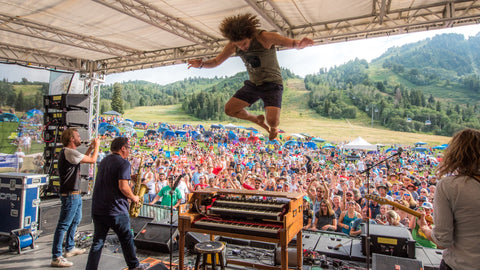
(381, 200)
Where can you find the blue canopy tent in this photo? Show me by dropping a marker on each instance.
(129, 120)
(232, 136)
(8, 117)
(200, 127)
(274, 142)
(110, 129)
(439, 147)
(328, 145)
(420, 143)
(320, 140)
(164, 125)
(168, 134)
(311, 145)
(194, 134)
(140, 124)
(180, 133)
(290, 143)
(31, 113)
(162, 129)
(103, 124)
(421, 149)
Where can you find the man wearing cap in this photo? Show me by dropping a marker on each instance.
(382, 192)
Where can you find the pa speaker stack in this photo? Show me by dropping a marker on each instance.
(62, 112)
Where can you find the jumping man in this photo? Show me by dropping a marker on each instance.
(257, 50)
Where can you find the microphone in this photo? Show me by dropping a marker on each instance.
(177, 181)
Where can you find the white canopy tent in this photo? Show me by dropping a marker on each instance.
(359, 144)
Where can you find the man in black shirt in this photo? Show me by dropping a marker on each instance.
(110, 205)
(69, 162)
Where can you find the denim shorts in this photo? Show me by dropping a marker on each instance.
(270, 93)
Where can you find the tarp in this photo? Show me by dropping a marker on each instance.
(318, 140)
(290, 143)
(180, 133)
(8, 161)
(162, 129)
(421, 149)
(8, 117)
(103, 124)
(360, 144)
(130, 120)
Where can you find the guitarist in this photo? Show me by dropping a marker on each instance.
(457, 203)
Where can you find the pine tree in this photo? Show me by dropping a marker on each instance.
(19, 102)
(117, 101)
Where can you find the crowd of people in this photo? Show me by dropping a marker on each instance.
(332, 180)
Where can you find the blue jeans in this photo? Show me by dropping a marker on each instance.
(70, 217)
(121, 226)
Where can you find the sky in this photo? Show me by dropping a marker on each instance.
(301, 62)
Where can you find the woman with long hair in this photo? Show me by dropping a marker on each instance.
(456, 202)
(407, 196)
(325, 218)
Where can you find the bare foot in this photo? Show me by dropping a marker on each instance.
(273, 133)
(261, 122)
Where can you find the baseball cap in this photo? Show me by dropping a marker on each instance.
(427, 205)
(423, 198)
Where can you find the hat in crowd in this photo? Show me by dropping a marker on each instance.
(411, 185)
(306, 198)
(258, 179)
(423, 198)
(427, 205)
(382, 186)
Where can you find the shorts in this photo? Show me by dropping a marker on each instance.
(270, 93)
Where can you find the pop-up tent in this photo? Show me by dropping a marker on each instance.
(8, 117)
(360, 144)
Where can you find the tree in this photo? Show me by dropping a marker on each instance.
(117, 101)
(19, 102)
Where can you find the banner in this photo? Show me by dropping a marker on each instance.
(8, 161)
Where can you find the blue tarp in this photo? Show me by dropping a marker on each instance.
(439, 147)
(290, 143)
(274, 142)
(421, 149)
(162, 129)
(8, 117)
(194, 134)
(102, 124)
(129, 120)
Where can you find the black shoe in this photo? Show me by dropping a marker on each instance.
(141, 266)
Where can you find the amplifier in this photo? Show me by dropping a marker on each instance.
(156, 237)
(67, 102)
(389, 240)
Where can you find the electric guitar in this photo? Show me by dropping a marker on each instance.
(381, 200)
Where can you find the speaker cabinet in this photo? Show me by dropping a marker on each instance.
(138, 223)
(50, 212)
(156, 237)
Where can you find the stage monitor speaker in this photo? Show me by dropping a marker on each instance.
(50, 212)
(389, 240)
(156, 237)
(192, 238)
(381, 262)
(138, 223)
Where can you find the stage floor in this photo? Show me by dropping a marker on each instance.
(40, 257)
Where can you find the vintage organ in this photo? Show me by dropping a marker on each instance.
(275, 217)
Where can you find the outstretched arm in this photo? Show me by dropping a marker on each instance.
(227, 51)
(272, 38)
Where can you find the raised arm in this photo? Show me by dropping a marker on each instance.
(227, 51)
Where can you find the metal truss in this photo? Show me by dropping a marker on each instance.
(28, 56)
(382, 21)
(152, 15)
(46, 32)
(267, 11)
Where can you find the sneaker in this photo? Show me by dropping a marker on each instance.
(141, 266)
(61, 262)
(74, 252)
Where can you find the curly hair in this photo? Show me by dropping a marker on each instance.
(239, 27)
(462, 156)
(67, 135)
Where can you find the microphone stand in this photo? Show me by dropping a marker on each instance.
(367, 171)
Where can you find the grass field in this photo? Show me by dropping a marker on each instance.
(295, 118)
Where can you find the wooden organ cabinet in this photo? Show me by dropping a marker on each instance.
(267, 216)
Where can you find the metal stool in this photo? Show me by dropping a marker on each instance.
(213, 248)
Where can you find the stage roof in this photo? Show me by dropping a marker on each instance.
(111, 36)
